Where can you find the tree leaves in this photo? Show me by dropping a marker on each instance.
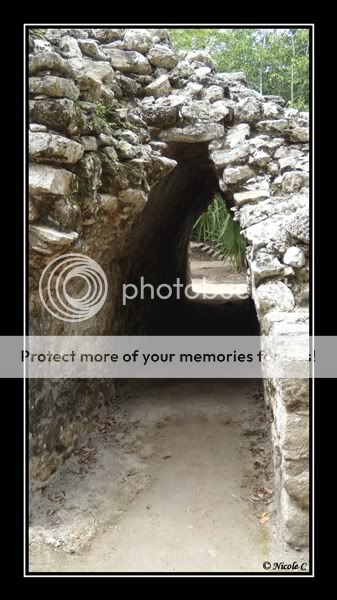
(275, 61)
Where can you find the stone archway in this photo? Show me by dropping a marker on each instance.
(104, 105)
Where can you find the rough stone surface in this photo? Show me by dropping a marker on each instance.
(53, 148)
(248, 110)
(138, 39)
(238, 155)
(48, 180)
(129, 61)
(193, 133)
(237, 135)
(298, 225)
(274, 294)
(202, 111)
(159, 87)
(235, 175)
(162, 56)
(58, 87)
(250, 197)
(295, 521)
(294, 257)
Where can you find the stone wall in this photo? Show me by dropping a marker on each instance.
(105, 106)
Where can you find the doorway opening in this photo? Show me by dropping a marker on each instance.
(159, 255)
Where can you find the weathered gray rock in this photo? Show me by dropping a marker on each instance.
(159, 87)
(294, 393)
(100, 71)
(138, 39)
(129, 61)
(294, 257)
(37, 127)
(201, 56)
(259, 159)
(160, 114)
(213, 93)
(293, 181)
(264, 142)
(41, 45)
(294, 426)
(274, 295)
(59, 114)
(233, 79)
(299, 134)
(92, 49)
(298, 225)
(248, 110)
(57, 87)
(291, 113)
(136, 198)
(129, 86)
(239, 174)
(110, 152)
(162, 56)
(237, 135)
(250, 197)
(200, 132)
(295, 519)
(288, 163)
(33, 211)
(107, 35)
(49, 61)
(89, 143)
(271, 110)
(200, 110)
(49, 180)
(286, 127)
(53, 237)
(161, 166)
(235, 156)
(273, 169)
(192, 90)
(125, 150)
(298, 488)
(274, 126)
(278, 99)
(264, 265)
(70, 47)
(48, 147)
(202, 71)
(108, 203)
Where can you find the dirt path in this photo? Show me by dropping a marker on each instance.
(166, 484)
(216, 277)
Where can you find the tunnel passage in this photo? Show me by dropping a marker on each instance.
(159, 256)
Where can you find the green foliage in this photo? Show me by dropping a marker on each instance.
(104, 118)
(275, 61)
(37, 33)
(217, 228)
(101, 110)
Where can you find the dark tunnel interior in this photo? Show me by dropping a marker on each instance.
(159, 254)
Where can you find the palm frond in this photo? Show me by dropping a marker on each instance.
(217, 228)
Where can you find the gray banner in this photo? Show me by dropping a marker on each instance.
(169, 356)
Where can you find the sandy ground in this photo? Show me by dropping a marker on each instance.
(215, 277)
(177, 478)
